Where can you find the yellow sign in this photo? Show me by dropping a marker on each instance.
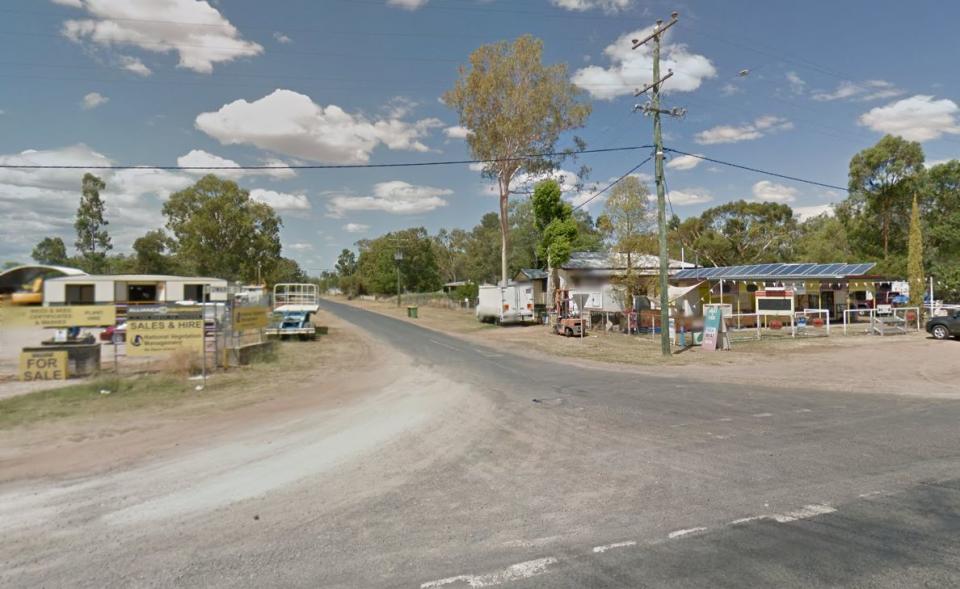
(148, 337)
(43, 365)
(250, 318)
(68, 316)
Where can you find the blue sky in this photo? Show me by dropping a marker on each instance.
(351, 81)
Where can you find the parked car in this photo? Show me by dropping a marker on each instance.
(944, 327)
(121, 329)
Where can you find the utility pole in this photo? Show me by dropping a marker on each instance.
(397, 258)
(653, 107)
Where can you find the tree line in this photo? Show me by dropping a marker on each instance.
(212, 228)
(872, 224)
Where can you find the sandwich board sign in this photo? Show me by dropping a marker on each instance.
(715, 330)
(153, 331)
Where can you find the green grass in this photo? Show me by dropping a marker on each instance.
(85, 399)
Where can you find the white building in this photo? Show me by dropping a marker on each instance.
(136, 289)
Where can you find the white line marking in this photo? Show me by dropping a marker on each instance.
(725, 419)
(449, 347)
(763, 414)
(744, 520)
(806, 512)
(687, 532)
(804, 410)
(516, 572)
(606, 547)
(872, 494)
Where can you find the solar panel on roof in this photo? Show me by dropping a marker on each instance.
(816, 270)
(826, 270)
(762, 269)
(849, 269)
(864, 268)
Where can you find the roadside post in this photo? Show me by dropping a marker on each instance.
(203, 347)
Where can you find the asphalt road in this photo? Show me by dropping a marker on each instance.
(521, 473)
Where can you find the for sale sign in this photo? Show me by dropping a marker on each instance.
(43, 365)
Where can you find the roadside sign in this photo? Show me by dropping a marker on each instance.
(715, 336)
(66, 316)
(250, 318)
(42, 365)
(162, 330)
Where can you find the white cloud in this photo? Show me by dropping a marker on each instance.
(133, 64)
(281, 38)
(457, 132)
(684, 162)
(355, 227)
(35, 203)
(281, 201)
(93, 100)
(201, 159)
(396, 197)
(928, 164)
(918, 118)
(687, 197)
(766, 191)
(408, 4)
(809, 212)
(291, 123)
(300, 246)
(733, 134)
(797, 85)
(609, 6)
(475, 167)
(631, 69)
(194, 29)
(861, 91)
(729, 89)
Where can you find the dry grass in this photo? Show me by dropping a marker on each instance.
(172, 390)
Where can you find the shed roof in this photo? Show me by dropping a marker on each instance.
(776, 271)
(617, 261)
(534, 273)
(136, 278)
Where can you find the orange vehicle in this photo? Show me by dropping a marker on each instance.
(567, 322)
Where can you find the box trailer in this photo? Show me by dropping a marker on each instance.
(506, 304)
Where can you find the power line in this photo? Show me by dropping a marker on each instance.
(318, 166)
(758, 170)
(614, 183)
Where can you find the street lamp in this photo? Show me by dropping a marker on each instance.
(397, 258)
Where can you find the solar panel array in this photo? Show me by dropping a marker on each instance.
(777, 271)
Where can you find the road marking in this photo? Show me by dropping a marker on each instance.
(807, 512)
(687, 532)
(744, 520)
(516, 572)
(763, 414)
(803, 410)
(606, 547)
(449, 347)
(725, 419)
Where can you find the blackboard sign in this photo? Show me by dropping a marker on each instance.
(775, 305)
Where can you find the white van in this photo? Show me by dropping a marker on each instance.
(506, 304)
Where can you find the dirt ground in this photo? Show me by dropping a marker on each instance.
(907, 364)
(337, 367)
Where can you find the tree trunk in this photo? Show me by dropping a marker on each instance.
(504, 227)
(886, 235)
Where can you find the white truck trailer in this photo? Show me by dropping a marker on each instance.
(506, 304)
